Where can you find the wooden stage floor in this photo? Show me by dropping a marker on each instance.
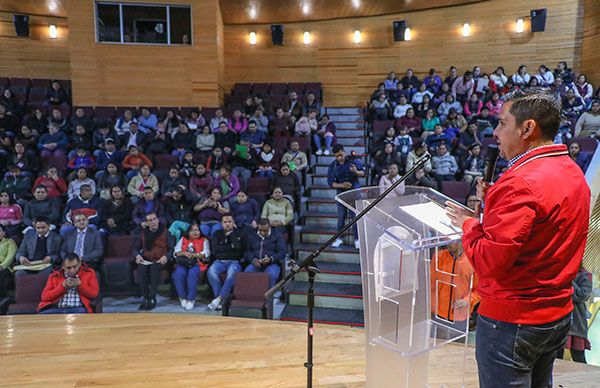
(171, 350)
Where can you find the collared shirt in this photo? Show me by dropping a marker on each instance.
(516, 158)
(70, 299)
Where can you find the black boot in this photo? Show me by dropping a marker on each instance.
(144, 305)
(151, 304)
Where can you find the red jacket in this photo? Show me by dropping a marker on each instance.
(54, 290)
(530, 245)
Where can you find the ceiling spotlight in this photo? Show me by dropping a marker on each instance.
(252, 13)
(466, 29)
(252, 38)
(306, 37)
(520, 27)
(357, 37)
(306, 8)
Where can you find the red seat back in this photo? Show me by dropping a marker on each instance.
(251, 286)
(119, 246)
(28, 288)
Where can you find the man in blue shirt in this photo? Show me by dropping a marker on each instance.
(343, 175)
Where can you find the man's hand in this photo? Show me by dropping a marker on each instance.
(460, 303)
(75, 282)
(256, 263)
(254, 225)
(139, 259)
(265, 260)
(457, 214)
(66, 283)
(163, 260)
(482, 188)
(47, 260)
(111, 223)
(24, 261)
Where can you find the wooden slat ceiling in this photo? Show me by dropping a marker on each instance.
(56, 8)
(281, 11)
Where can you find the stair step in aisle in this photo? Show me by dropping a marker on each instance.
(338, 289)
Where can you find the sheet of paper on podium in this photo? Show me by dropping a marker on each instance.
(433, 216)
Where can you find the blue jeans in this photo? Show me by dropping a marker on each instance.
(68, 310)
(318, 141)
(514, 355)
(272, 269)
(209, 228)
(243, 173)
(186, 281)
(342, 214)
(214, 272)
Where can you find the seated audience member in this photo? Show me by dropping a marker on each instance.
(147, 121)
(581, 158)
(101, 135)
(293, 108)
(385, 159)
(147, 204)
(243, 161)
(56, 95)
(498, 77)
(238, 123)
(57, 119)
(183, 141)
(389, 179)
(588, 124)
(473, 106)
(116, 213)
(380, 89)
(267, 161)
(390, 83)
(171, 121)
(111, 177)
(134, 161)
(421, 179)
(80, 139)
(419, 149)
(265, 251)
(463, 86)
(12, 104)
(455, 120)
(227, 249)
(563, 71)
(227, 182)
(157, 142)
(110, 154)
(25, 159)
(186, 165)
(572, 106)
(485, 122)
(583, 89)
(81, 159)
(296, 159)
(473, 164)
(53, 143)
(432, 82)
(244, 210)
(288, 182)
(253, 137)
(205, 141)
(70, 289)
(437, 138)
(36, 123)
(410, 122)
(210, 210)
(134, 137)
(85, 241)
(306, 124)
(402, 107)
(417, 98)
(191, 255)
(325, 133)
(467, 138)
(544, 76)
(215, 161)
(312, 103)
(279, 125)
(225, 139)
(124, 123)
(178, 212)
(141, 181)
(216, 121)
(172, 182)
(389, 137)
(444, 165)
(41, 206)
(11, 215)
(441, 94)
(560, 88)
(521, 77)
(83, 203)
(54, 184)
(195, 120)
(81, 178)
(16, 184)
(380, 108)
(8, 248)
(201, 183)
(278, 210)
(39, 244)
(428, 124)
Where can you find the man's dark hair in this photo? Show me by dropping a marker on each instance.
(337, 148)
(537, 104)
(263, 221)
(42, 219)
(72, 256)
(41, 187)
(226, 215)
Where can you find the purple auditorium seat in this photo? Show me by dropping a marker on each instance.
(298, 87)
(28, 293)
(248, 297)
(380, 126)
(116, 266)
(278, 89)
(242, 89)
(260, 88)
(587, 144)
(458, 191)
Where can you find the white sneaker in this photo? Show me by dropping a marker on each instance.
(327, 152)
(215, 303)
(357, 244)
(319, 152)
(183, 302)
(189, 305)
(337, 243)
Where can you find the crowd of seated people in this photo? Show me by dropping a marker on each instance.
(453, 119)
(179, 185)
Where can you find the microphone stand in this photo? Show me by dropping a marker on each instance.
(309, 264)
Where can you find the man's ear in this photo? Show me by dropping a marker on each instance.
(528, 128)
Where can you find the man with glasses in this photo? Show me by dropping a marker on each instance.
(40, 245)
(85, 241)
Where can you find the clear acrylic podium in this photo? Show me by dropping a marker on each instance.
(407, 338)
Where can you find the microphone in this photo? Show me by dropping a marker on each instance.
(490, 163)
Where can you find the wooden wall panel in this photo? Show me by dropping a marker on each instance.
(153, 75)
(590, 60)
(351, 72)
(36, 56)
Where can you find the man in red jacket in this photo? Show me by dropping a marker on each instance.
(70, 289)
(529, 246)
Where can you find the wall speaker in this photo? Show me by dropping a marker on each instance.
(21, 24)
(277, 34)
(538, 19)
(399, 29)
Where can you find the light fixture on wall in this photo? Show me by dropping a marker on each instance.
(520, 26)
(252, 12)
(306, 37)
(357, 37)
(466, 29)
(306, 7)
(356, 3)
(252, 38)
(52, 31)
(407, 34)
